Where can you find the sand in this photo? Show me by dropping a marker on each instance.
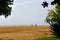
(23, 32)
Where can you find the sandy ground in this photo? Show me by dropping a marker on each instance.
(23, 32)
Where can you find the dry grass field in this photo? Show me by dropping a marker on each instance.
(23, 32)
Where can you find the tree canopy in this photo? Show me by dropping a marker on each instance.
(53, 19)
(5, 8)
(54, 2)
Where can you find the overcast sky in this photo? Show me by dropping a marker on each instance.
(27, 12)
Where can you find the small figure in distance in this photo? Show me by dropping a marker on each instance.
(45, 4)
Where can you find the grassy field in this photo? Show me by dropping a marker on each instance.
(23, 32)
(48, 38)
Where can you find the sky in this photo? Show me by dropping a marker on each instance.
(27, 12)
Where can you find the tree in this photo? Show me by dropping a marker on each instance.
(54, 2)
(53, 19)
(5, 8)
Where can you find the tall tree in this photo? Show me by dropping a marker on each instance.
(53, 19)
(5, 8)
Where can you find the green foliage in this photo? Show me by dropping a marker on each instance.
(48, 38)
(53, 19)
(5, 8)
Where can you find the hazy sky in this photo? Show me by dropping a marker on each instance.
(27, 12)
